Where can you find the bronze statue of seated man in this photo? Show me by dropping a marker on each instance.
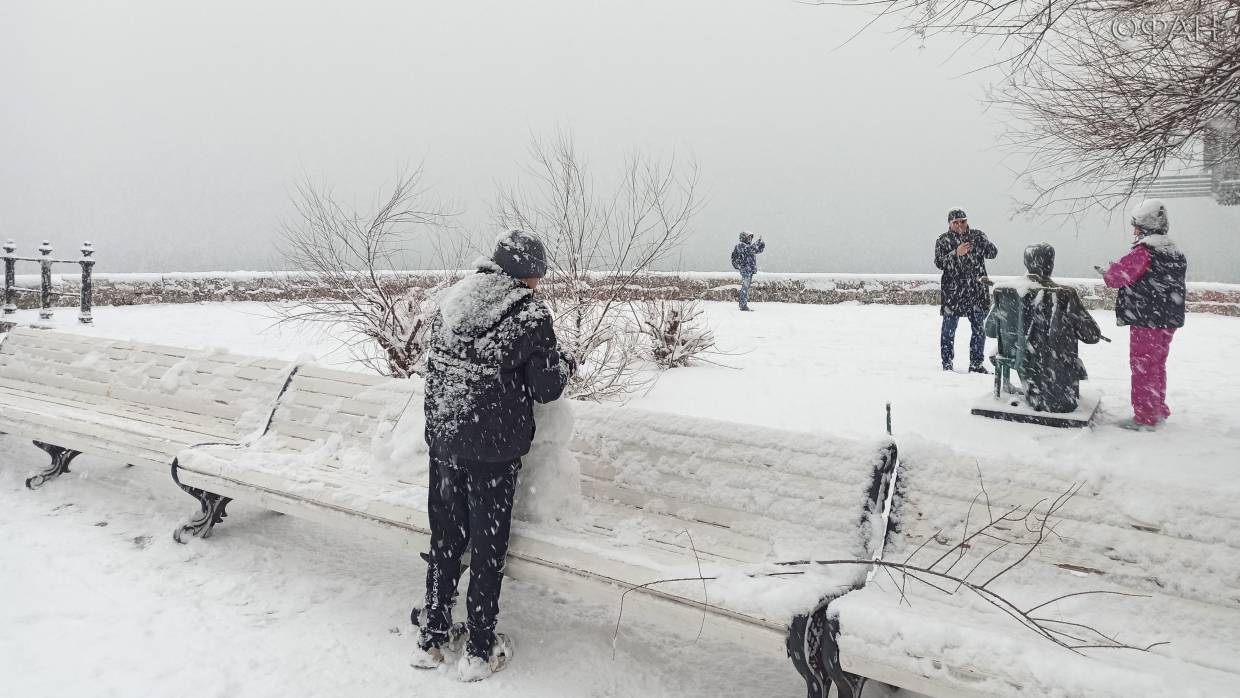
(1038, 324)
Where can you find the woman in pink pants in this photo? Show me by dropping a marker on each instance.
(1152, 289)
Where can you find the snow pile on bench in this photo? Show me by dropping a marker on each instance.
(1178, 546)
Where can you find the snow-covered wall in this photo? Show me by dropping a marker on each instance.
(896, 289)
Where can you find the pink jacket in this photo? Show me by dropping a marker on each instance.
(1127, 270)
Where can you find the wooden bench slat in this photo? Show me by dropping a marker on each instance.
(127, 410)
(798, 500)
(1086, 506)
(285, 427)
(119, 429)
(351, 405)
(93, 436)
(170, 354)
(322, 373)
(67, 437)
(57, 381)
(718, 541)
(330, 422)
(329, 387)
(732, 519)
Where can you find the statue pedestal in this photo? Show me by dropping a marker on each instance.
(1012, 408)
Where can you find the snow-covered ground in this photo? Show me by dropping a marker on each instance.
(100, 601)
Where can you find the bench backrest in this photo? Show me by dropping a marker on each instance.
(1110, 539)
(229, 394)
(1009, 313)
(357, 421)
(746, 493)
(743, 493)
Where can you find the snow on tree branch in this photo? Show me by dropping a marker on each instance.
(1108, 94)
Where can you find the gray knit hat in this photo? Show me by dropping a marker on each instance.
(956, 213)
(520, 255)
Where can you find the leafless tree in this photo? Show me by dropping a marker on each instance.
(349, 257)
(598, 244)
(1108, 94)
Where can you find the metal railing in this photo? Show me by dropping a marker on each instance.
(45, 291)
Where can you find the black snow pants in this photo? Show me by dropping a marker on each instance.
(469, 504)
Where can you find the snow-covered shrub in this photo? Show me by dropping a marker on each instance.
(605, 340)
(675, 331)
(404, 339)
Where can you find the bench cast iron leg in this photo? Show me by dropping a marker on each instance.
(846, 685)
(213, 510)
(812, 647)
(61, 457)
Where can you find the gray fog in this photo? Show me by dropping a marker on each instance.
(171, 134)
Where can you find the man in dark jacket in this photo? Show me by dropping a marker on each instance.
(492, 354)
(961, 253)
(745, 260)
(1053, 322)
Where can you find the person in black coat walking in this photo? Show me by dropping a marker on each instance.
(961, 253)
(492, 354)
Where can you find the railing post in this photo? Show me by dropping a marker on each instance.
(10, 277)
(87, 289)
(45, 294)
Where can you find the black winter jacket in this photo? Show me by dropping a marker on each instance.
(962, 290)
(744, 256)
(1157, 298)
(492, 355)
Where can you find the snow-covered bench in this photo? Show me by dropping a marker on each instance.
(1177, 549)
(138, 403)
(622, 500)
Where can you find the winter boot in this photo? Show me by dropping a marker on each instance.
(1133, 425)
(428, 654)
(474, 668)
(430, 646)
(978, 368)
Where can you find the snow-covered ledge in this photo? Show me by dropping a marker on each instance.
(895, 289)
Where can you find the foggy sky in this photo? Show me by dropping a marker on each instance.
(171, 133)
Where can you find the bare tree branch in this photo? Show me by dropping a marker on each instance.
(1069, 634)
(385, 320)
(598, 245)
(1107, 94)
